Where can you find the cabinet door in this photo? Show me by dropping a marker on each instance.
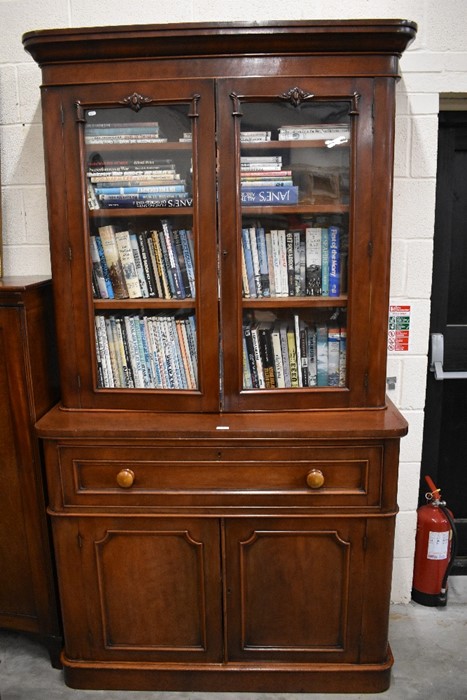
(140, 589)
(294, 589)
(133, 221)
(301, 285)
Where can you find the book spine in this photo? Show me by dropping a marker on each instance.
(114, 263)
(325, 262)
(322, 354)
(334, 261)
(105, 269)
(125, 252)
(313, 261)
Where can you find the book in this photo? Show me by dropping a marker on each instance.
(333, 355)
(296, 132)
(263, 261)
(278, 361)
(325, 262)
(125, 252)
(292, 355)
(133, 202)
(269, 196)
(105, 269)
(248, 256)
(267, 355)
(140, 270)
(322, 354)
(313, 261)
(250, 359)
(255, 262)
(114, 263)
(334, 261)
(343, 357)
(101, 286)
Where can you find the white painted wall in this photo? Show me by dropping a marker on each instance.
(436, 63)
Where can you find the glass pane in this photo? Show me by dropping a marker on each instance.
(295, 184)
(140, 196)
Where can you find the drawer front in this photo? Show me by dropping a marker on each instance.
(183, 476)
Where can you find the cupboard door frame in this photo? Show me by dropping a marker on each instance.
(69, 219)
(369, 232)
(148, 611)
(265, 622)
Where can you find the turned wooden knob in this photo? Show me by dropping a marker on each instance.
(315, 479)
(125, 478)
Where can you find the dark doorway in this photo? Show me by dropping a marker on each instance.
(444, 455)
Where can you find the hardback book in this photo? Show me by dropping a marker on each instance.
(334, 261)
(322, 354)
(114, 263)
(313, 261)
(269, 196)
(333, 355)
(125, 251)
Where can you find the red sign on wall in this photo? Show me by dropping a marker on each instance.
(399, 328)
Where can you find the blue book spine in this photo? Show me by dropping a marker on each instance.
(105, 269)
(269, 196)
(334, 262)
(324, 262)
(248, 261)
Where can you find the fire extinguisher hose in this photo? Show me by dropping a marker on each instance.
(454, 540)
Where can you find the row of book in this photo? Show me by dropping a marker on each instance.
(299, 132)
(265, 182)
(123, 133)
(129, 265)
(333, 133)
(146, 352)
(136, 183)
(293, 354)
(286, 263)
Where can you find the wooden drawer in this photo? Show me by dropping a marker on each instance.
(128, 476)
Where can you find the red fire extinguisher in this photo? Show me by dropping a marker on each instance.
(435, 550)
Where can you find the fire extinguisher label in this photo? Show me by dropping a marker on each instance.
(438, 545)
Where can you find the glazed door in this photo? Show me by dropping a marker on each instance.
(294, 589)
(298, 158)
(135, 244)
(140, 588)
(445, 435)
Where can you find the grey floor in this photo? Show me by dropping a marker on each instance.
(429, 646)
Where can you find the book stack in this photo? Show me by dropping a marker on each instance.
(146, 264)
(283, 355)
(146, 352)
(123, 133)
(254, 136)
(136, 183)
(337, 133)
(287, 263)
(265, 182)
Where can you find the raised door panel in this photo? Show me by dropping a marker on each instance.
(294, 589)
(144, 589)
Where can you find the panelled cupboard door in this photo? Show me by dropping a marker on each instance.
(294, 589)
(304, 245)
(140, 589)
(137, 301)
